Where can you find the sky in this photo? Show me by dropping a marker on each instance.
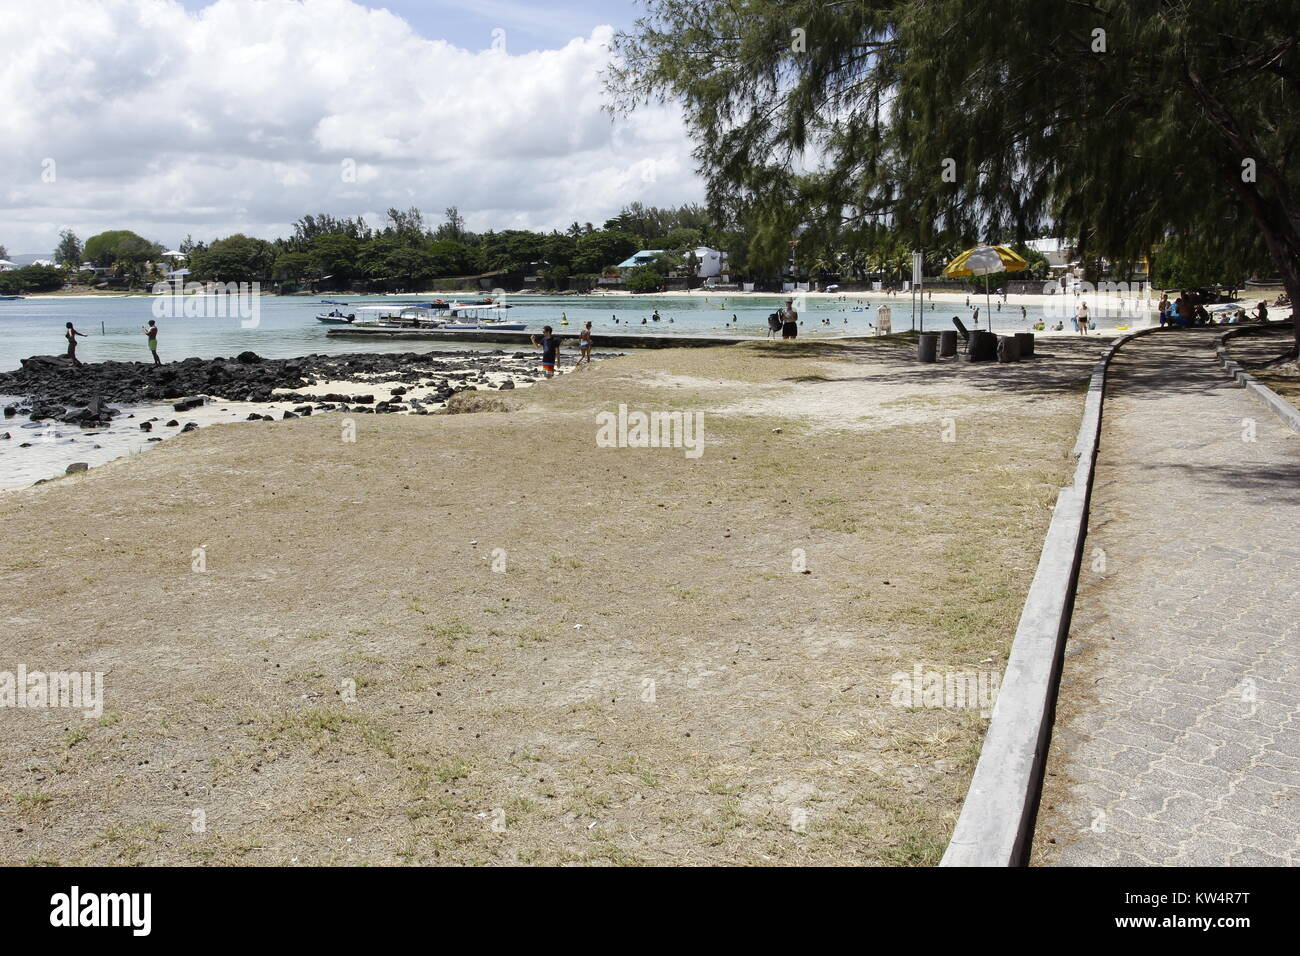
(186, 117)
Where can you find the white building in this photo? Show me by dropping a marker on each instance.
(1055, 251)
(712, 263)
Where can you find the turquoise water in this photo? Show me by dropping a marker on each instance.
(287, 326)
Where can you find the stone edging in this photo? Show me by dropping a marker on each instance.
(998, 815)
(1280, 407)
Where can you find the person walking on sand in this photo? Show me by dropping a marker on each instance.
(584, 345)
(550, 347)
(71, 335)
(789, 320)
(1081, 318)
(151, 330)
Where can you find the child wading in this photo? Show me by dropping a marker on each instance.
(151, 330)
(550, 347)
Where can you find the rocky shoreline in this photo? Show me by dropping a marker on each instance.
(54, 389)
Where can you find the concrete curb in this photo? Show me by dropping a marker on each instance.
(1278, 405)
(997, 817)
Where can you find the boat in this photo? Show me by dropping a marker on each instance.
(477, 316)
(396, 317)
(335, 318)
(331, 302)
(484, 325)
(10, 298)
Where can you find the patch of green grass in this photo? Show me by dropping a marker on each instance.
(451, 771)
(32, 802)
(132, 839)
(321, 728)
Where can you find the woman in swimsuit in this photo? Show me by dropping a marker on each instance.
(584, 345)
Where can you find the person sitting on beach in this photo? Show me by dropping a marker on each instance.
(71, 335)
(789, 320)
(550, 347)
(1261, 311)
(584, 345)
(151, 330)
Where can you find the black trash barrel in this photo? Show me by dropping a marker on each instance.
(1026, 340)
(927, 345)
(948, 343)
(1008, 348)
(983, 346)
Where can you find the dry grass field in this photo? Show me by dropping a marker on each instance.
(560, 653)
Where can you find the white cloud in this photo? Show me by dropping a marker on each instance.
(246, 115)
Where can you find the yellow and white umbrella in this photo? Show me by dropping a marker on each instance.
(985, 260)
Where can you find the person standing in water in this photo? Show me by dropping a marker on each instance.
(1081, 318)
(151, 330)
(71, 335)
(550, 347)
(584, 344)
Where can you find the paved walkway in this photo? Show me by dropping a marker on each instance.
(1177, 737)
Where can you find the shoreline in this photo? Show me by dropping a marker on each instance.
(41, 449)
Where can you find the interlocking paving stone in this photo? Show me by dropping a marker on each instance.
(1177, 738)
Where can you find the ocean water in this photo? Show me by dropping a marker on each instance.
(287, 326)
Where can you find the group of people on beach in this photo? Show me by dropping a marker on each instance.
(151, 333)
(1189, 309)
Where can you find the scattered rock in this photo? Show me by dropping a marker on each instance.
(77, 466)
